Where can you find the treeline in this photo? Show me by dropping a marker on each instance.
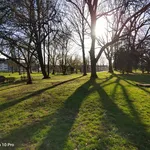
(128, 58)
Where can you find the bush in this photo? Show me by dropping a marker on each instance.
(2, 79)
(23, 78)
(10, 79)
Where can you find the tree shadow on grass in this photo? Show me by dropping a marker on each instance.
(126, 78)
(13, 85)
(142, 78)
(59, 124)
(66, 116)
(128, 100)
(131, 129)
(14, 102)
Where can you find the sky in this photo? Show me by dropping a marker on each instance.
(100, 31)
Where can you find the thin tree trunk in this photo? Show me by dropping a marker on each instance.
(62, 63)
(53, 63)
(44, 52)
(82, 41)
(53, 71)
(48, 65)
(29, 79)
(48, 50)
(38, 68)
(12, 69)
(19, 70)
(84, 61)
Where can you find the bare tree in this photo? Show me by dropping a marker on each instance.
(120, 23)
(79, 26)
(39, 19)
(16, 40)
(24, 53)
(64, 41)
(44, 17)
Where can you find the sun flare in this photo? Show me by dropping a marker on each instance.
(101, 26)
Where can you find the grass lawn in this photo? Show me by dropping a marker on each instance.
(73, 113)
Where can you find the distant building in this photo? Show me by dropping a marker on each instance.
(98, 68)
(4, 65)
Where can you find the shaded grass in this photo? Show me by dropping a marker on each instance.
(73, 112)
(38, 92)
(137, 77)
(123, 117)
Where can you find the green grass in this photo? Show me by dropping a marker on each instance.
(74, 113)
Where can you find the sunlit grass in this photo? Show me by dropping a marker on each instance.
(110, 112)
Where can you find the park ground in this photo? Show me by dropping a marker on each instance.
(74, 113)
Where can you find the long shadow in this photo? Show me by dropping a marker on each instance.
(59, 124)
(142, 78)
(22, 136)
(126, 80)
(127, 99)
(65, 118)
(115, 87)
(131, 129)
(14, 102)
(107, 79)
(10, 87)
(104, 83)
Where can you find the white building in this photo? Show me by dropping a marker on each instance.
(3, 65)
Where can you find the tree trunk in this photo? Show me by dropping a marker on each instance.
(29, 79)
(92, 56)
(82, 41)
(39, 51)
(64, 71)
(12, 69)
(92, 9)
(38, 67)
(110, 65)
(93, 68)
(19, 70)
(48, 65)
(48, 50)
(84, 61)
(53, 71)
(30, 69)
(53, 63)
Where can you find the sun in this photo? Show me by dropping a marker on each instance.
(101, 26)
